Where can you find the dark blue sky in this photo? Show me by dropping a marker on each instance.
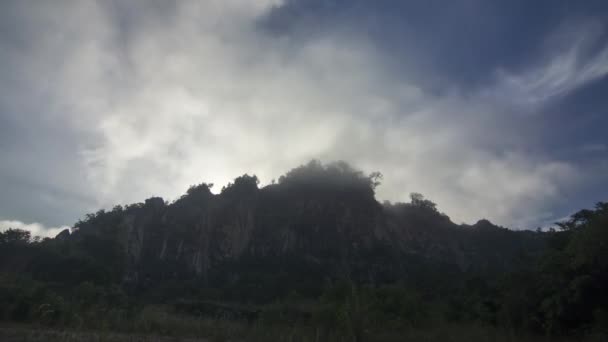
(463, 42)
(493, 109)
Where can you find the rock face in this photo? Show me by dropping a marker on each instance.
(201, 232)
(63, 235)
(305, 229)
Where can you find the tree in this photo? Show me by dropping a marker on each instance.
(375, 178)
(418, 200)
(244, 183)
(15, 236)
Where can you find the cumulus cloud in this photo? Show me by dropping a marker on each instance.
(36, 229)
(150, 98)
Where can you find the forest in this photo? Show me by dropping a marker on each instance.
(313, 256)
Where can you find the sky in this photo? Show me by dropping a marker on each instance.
(492, 109)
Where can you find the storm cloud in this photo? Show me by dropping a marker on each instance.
(490, 110)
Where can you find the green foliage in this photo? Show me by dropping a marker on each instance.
(565, 293)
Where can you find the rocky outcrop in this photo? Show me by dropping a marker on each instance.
(63, 235)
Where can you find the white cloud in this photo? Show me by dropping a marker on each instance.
(567, 67)
(36, 229)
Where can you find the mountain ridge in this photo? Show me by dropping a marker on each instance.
(323, 218)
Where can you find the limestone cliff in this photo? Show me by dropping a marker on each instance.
(308, 227)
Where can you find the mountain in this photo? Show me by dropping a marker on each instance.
(316, 250)
(318, 223)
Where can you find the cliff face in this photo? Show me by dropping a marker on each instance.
(201, 233)
(303, 229)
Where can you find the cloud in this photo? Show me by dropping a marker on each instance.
(571, 64)
(122, 102)
(36, 229)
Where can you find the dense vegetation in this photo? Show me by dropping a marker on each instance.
(313, 256)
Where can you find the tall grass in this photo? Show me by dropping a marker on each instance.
(158, 324)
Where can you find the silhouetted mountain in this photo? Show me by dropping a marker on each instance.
(318, 242)
(319, 223)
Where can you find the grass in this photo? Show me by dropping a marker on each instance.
(207, 330)
(158, 323)
(36, 334)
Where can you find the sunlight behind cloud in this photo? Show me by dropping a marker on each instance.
(154, 101)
